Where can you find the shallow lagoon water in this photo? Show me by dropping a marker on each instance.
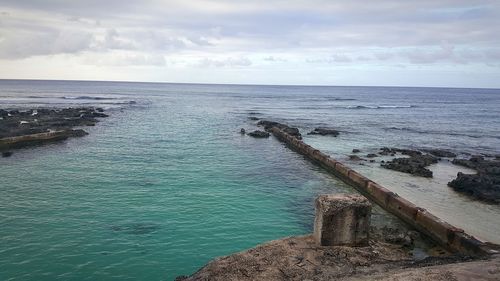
(168, 183)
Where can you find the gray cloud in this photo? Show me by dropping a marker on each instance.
(321, 31)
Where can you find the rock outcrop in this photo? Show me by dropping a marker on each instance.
(415, 164)
(38, 126)
(324, 132)
(485, 185)
(287, 129)
(258, 134)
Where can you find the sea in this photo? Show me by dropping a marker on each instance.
(167, 182)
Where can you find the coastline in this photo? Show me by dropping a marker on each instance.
(284, 259)
(38, 126)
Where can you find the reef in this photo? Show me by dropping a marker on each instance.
(22, 128)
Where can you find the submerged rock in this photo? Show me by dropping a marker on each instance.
(253, 118)
(356, 150)
(6, 153)
(258, 134)
(324, 132)
(371, 155)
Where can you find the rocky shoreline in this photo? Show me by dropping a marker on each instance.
(300, 258)
(24, 128)
(483, 186)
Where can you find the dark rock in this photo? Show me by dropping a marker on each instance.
(42, 120)
(371, 155)
(372, 161)
(258, 134)
(403, 238)
(77, 133)
(324, 132)
(355, 158)
(289, 130)
(485, 185)
(356, 150)
(24, 128)
(242, 131)
(441, 153)
(6, 153)
(253, 118)
(393, 151)
(414, 165)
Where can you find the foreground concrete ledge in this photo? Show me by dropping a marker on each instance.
(447, 235)
(342, 220)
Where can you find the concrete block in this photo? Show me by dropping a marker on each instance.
(342, 220)
(342, 170)
(378, 193)
(404, 208)
(438, 228)
(330, 163)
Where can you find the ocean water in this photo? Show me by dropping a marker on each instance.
(167, 183)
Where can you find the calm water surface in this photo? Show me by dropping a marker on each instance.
(167, 182)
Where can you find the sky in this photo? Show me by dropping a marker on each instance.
(443, 43)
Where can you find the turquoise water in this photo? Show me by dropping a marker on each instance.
(153, 192)
(167, 182)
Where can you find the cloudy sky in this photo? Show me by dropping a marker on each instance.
(309, 42)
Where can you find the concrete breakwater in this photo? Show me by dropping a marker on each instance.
(40, 138)
(453, 238)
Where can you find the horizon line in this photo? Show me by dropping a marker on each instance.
(241, 84)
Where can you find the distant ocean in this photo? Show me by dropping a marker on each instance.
(167, 182)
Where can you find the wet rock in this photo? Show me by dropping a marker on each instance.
(18, 123)
(253, 118)
(27, 127)
(287, 129)
(324, 132)
(414, 165)
(371, 155)
(76, 133)
(6, 153)
(404, 238)
(485, 185)
(356, 150)
(355, 158)
(441, 153)
(479, 186)
(393, 151)
(242, 131)
(258, 134)
(372, 161)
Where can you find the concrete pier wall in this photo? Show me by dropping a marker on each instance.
(40, 138)
(440, 231)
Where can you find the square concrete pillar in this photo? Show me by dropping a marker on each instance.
(342, 220)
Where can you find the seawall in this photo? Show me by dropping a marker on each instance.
(453, 238)
(40, 138)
